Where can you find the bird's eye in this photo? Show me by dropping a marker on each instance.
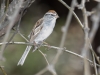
(52, 14)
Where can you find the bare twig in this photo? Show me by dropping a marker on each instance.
(44, 55)
(72, 12)
(86, 67)
(42, 71)
(86, 32)
(97, 0)
(17, 30)
(88, 38)
(4, 14)
(2, 8)
(68, 20)
(12, 20)
(4, 20)
(53, 47)
(94, 62)
(87, 44)
(51, 68)
(10, 39)
(57, 48)
(3, 70)
(95, 20)
(23, 36)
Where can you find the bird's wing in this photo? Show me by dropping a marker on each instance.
(36, 29)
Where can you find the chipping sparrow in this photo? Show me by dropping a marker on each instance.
(42, 29)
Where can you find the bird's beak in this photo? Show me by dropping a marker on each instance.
(57, 16)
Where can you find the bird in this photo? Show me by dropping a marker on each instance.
(40, 32)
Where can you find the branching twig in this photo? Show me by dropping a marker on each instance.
(44, 55)
(53, 47)
(88, 38)
(65, 29)
(51, 67)
(86, 32)
(12, 20)
(95, 25)
(72, 12)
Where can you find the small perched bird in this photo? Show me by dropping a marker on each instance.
(42, 29)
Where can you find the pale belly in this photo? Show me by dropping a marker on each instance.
(45, 32)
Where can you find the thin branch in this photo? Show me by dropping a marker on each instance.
(17, 29)
(12, 20)
(3, 70)
(86, 44)
(4, 14)
(86, 67)
(2, 8)
(23, 36)
(89, 39)
(65, 30)
(44, 57)
(72, 12)
(4, 20)
(94, 62)
(53, 47)
(94, 53)
(42, 71)
(95, 21)
(13, 35)
(51, 68)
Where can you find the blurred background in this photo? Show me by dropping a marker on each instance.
(67, 64)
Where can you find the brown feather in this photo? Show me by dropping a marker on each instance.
(36, 30)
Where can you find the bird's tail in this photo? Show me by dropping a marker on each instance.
(21, 61)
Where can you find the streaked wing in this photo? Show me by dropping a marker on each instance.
(35, 31)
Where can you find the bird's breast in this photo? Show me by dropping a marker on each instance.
(45, 31)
